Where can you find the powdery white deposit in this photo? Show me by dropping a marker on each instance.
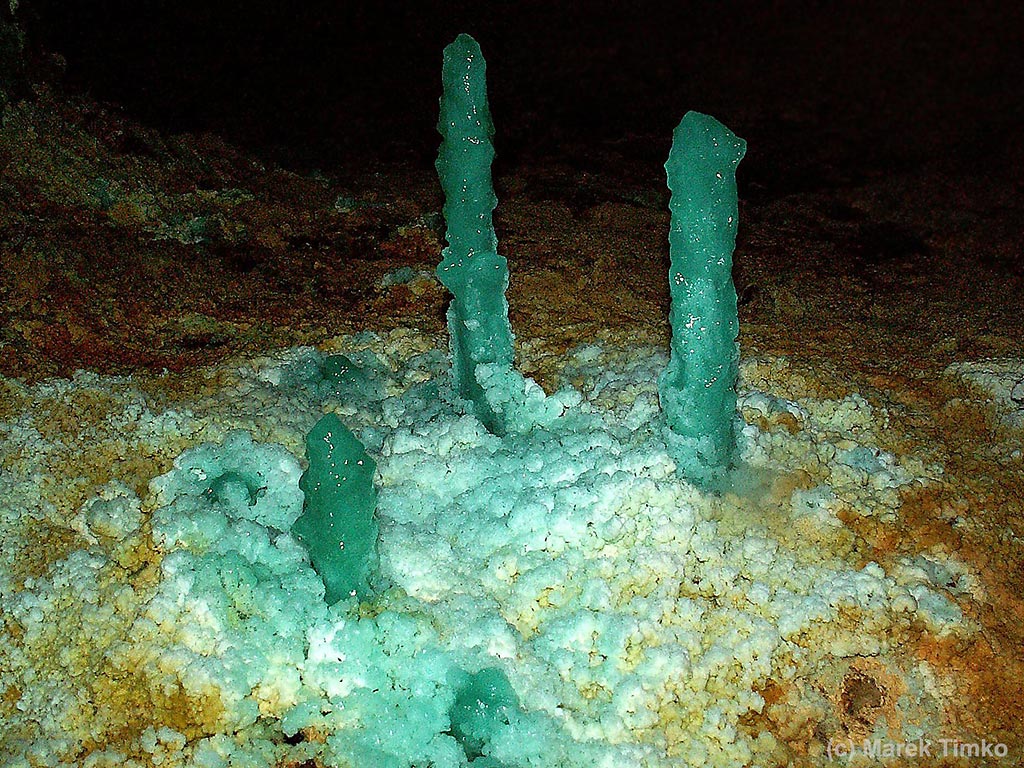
(150, 620)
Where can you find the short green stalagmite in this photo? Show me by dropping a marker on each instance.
(698, 389)
(471, 267)
(337, 524)
(483, 707)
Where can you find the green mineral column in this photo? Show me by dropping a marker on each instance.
(698, 388)
(337, 524)
(471, 267)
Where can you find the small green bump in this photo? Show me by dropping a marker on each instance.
(233, 487)
(338, 369)
(484, 705)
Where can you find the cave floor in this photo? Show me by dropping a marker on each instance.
(126, 250)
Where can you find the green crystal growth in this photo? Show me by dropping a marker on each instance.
(483, 706)
(471, 267)
(341, 376)
(698, 388)
(337, 525)
(339, 370)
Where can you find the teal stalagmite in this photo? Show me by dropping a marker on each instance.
(471, 267)
(337, 524)
(485, 706)
(698, 388)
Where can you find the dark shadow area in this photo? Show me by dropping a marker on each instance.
(824, 91)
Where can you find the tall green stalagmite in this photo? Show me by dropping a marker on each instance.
(471, 267)
(698, 388)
